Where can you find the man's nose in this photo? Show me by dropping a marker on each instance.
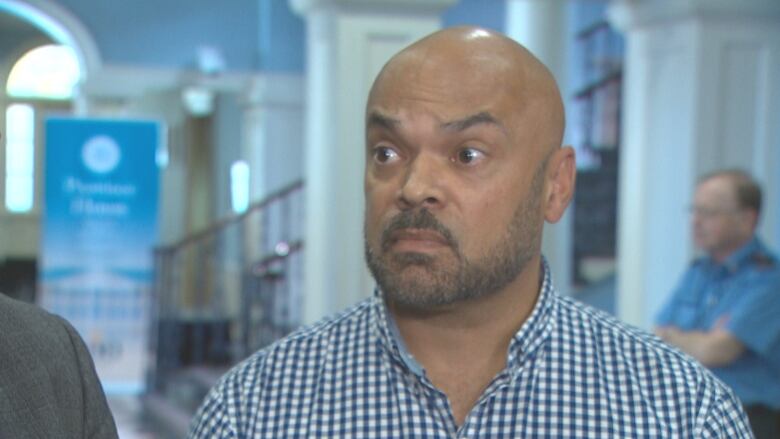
(423, 183)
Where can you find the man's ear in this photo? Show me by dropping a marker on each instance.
(561, 178)
(749, 221)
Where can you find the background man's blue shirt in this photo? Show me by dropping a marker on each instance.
(742, 295)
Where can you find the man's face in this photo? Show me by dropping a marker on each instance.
(719, 225)
(453, 183)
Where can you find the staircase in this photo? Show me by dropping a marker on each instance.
(220, 295)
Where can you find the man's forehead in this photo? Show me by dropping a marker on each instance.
(718, 188)
(380, 119)
(452, 78)
(454, 104)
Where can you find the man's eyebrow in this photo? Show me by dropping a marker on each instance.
(377, 119)
(475, 119)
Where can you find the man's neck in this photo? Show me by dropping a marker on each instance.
(463, 346)
(720, 256)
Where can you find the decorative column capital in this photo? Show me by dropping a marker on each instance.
(305, 7)
(626, 15)
(275, 90)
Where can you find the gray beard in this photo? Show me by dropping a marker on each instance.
(441, 284)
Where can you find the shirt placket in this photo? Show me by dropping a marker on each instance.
(416, 378)
(470, 427)
(714, 293)
(440, 404)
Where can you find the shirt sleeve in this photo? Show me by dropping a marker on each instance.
(754, 321)
(666, 316)
(725, 420)
(212, 420)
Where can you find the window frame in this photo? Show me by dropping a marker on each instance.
(42, 108)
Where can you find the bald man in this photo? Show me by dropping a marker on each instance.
(465, 335)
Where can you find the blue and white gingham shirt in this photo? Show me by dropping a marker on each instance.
(572, 372)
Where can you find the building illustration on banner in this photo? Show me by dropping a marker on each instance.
(99, 230)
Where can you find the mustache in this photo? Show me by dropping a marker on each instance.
(421, 219)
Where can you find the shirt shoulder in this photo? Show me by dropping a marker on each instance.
(695, 270)
(28, 325)
(754, 258)
(44, 348)
(763, 263)
(639, 369)
(625, 341)
(286, 370)
(310, 342)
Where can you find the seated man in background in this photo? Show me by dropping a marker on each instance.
(466, 335)
(48, 385)
(726, 310)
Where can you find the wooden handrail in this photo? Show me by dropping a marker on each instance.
(230, 219)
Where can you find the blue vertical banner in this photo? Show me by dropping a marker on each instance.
(99, 228)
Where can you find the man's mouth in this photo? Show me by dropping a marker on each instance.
(416, 240)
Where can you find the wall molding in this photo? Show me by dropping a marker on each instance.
(630, 14)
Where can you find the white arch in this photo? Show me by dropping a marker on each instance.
(62, 26)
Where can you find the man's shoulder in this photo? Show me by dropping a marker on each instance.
(635, 353)
(305, 348)
(352, 322)
(630, 369)
(22, 320)
(604, 328)
(697, 263)
(763, 260)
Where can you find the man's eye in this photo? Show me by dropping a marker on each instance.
(467, 156)
(383, 154)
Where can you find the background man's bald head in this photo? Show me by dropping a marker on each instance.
(469, 63)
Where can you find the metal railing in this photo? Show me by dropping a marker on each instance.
(226, 291)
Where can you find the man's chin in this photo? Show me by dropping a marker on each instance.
(416, 286)
(419, 298)
(403, 260)
(701, 245)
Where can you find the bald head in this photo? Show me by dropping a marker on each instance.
(464, 165)
(477, 68)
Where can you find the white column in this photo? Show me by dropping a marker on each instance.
(271, 144)
(272, 141)
(537, 26)
(348, 43)
(702, 92)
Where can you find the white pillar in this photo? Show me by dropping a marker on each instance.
(272, 142)
(702, 92)
(272, 146)
(537, 25)
(348, 43)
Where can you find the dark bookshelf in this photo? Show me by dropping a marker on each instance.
(598, 102)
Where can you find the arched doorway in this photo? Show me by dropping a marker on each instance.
(56, 23)
(27, 28)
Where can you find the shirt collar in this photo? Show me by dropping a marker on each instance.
(526, 341)
(742, 256)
